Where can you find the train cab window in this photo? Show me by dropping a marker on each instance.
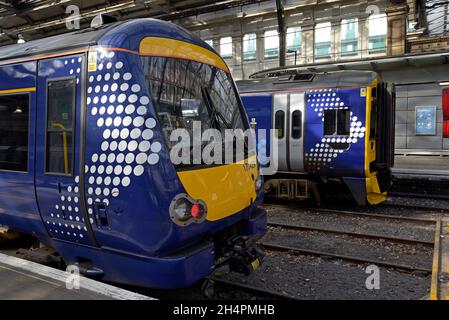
(60, 123)
(279, 124)
(297, 125)
(337, 123)
(14, 130)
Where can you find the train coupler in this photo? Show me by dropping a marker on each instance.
(243, 256)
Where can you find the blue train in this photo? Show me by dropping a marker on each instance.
(330, 129)
(85, 161)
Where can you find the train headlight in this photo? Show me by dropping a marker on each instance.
(184, 211)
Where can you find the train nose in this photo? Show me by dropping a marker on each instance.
(225, 190)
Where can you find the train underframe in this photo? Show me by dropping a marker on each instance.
(304, 187)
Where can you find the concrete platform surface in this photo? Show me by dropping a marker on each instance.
(422, 163)
(25, 280)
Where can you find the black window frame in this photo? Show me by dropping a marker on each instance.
(73, 131)
(300, 125)
(28, 94)
(337, 127)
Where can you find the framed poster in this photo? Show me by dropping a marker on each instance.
(426, 121)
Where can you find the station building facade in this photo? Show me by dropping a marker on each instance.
(400, 39)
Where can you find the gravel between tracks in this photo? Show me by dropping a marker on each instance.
(312, 278)
(341, 222)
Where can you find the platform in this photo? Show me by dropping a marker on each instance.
(425, 167)
(25, 280)
(440, 274)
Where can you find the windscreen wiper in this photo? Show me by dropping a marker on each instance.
(216, 113)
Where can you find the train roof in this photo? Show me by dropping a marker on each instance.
(125, 35)
(309, 81)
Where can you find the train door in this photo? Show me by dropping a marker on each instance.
(18, 208)
(59, 136)
(288, 121)
(296, 132)
(280, 115)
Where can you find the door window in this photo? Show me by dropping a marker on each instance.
(280, 124)
(60, 123)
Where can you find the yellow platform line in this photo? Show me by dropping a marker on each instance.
(434, 294)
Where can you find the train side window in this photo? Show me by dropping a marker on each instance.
(60, 126)
(279, 124)
(330, 123)
(343, 122)
(14, 132)
(297, 125)
(337, 123)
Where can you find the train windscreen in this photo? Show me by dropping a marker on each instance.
(194, 97)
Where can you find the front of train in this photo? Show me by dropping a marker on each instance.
(165, 187)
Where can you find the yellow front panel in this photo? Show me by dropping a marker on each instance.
(374, 195)
(226, 190)
(163, 47)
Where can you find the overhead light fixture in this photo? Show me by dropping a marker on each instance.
(444, 83)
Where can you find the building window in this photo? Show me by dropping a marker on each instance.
(323, 35)
(349, 36)
(337, 123)
(378, 33)
(271, 44)
(249, 46)
(14, 132)
(294, 39)
(60, 123)
(210, 42)
(226, 47)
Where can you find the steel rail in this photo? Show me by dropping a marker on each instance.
(351, 234)
(378, 216)
(279, 248)
(252, 289)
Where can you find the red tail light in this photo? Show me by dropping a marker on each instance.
(446, 113)
(196, 211)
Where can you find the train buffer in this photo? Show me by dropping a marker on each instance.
(25, 280)
(440, 273)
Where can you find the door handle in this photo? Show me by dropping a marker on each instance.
(101, 215)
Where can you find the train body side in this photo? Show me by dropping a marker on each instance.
(107, 204)
(354, 156)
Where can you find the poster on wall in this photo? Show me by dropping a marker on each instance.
(426, 121)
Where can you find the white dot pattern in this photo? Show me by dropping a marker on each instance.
(323, 154)
(120, 111)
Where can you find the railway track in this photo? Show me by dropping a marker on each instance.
(419, 195)
(266, 293)
(416, 207)
(358, 260)
(378, 216)
(352, 234)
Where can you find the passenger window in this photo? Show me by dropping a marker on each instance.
(330, 123)
(279, 124)
(60, 120)
(343, 123)
(337, 123)
(297, 125)
(14, 130)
